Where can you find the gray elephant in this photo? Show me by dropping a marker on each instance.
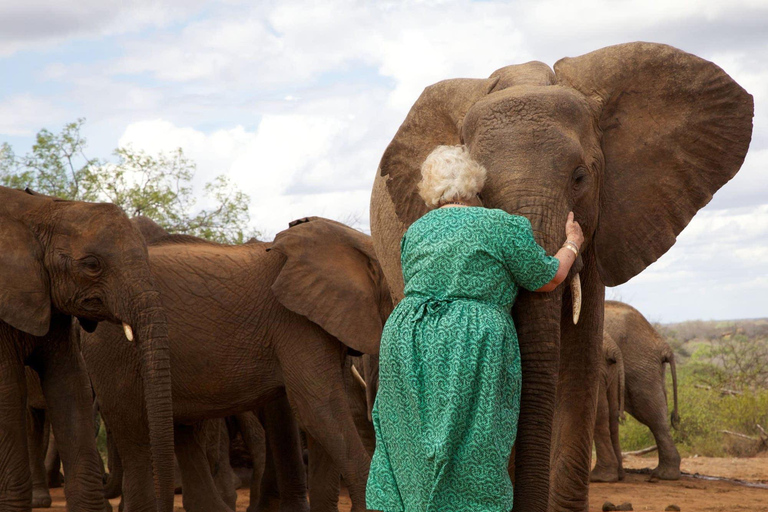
(645, 354)
(610, 411)
(633, 138)
(245, 323)
(59, 260)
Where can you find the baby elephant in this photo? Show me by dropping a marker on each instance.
(644, 353)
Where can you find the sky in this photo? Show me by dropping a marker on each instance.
(296, 101)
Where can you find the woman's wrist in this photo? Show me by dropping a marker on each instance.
(571, 246)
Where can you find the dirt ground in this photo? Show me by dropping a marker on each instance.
(688, 493)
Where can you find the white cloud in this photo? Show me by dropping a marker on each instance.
(286, 166)
(25, 114)
(37, 24)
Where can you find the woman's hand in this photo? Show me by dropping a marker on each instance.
(573, 231)
(567, 253)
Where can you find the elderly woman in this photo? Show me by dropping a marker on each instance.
(449, 397)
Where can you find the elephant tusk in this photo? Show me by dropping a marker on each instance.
(128, 331)
(576, 297)
(358, 378)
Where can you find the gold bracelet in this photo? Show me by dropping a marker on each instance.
(571, 248)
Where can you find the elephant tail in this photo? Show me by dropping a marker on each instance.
(675, 418)
(622, 387)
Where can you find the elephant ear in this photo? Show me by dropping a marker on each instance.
(435, 119)
(25, 300)
(675, 128)
(331, 276)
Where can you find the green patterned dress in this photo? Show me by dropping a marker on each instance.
(449, 393)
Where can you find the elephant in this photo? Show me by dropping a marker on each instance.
(62, 260)
(247, 323)
(645, 353)
(610, 411)
(634, 139)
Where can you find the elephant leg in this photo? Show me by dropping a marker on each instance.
(254, 438)
(223, 475)
(606, 467)
(269, 496)
(36, 437)
(577, 388)
(114, 485)
(15, 477)
(68, 394)
(315, 386)
(53, 462)
(284, 442)
(199, 489)
(615, 391)
(324, 483)
(652, 411)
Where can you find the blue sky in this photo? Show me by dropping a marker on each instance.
(296, 101)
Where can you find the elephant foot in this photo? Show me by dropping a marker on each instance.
(604, 475)
(41, 498)
(666, 473)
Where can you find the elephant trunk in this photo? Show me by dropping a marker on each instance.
(537, 319)
(150, 329)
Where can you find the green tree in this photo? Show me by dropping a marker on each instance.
(157, 186)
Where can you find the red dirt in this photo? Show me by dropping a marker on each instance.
(690, 494)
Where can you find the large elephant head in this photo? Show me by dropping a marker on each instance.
(88, 261)
(634, 138)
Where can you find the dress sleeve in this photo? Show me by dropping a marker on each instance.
(526, 260)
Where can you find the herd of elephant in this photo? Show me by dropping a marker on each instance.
(172, 333)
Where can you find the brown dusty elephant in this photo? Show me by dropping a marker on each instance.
(633, 138)
(610, 410)
(247, 323)
(274, 418)
(59, 260)
(645, 353)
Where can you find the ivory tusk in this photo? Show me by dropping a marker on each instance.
(576, 297)
(128, 331)
(358, 377)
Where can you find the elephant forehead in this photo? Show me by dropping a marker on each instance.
(555, 107)
(96, 227)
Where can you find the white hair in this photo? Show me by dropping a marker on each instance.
(450, 174)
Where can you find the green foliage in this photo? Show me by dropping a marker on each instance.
(704, 413)
(733, 361)
(156, 186)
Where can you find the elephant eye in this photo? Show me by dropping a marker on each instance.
(90, 264)
(579, 176)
